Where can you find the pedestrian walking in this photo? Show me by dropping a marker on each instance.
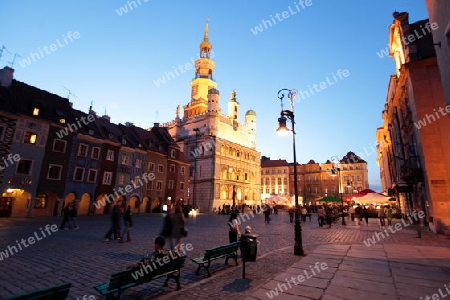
(73, 215)
(128, 222)
(178, 227)
(417, 222)
(320, 215)
(304, 212)
(358, 214)
(382, 216)
(291, 214)
(329, 216)
(267, 214)
(233, 228)
(366, 215)
(66, 214)
(116, 215)
(388, 212)
(166, 231)
(351, 211)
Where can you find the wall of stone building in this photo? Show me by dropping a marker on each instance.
(434, 142)
(439, 12)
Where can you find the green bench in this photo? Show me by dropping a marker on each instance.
(122, 280)
(57, 292)
(228, 251)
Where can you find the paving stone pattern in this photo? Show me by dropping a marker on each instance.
(399, 266)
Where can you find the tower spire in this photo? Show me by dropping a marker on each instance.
(205, 36)
(205, 46)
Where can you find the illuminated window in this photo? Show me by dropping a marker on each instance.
(30, 138)
(41, 201)
(35, 111)
(62, 121)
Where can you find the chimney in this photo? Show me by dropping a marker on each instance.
(155, 124)
(106, 117)
(6, 76)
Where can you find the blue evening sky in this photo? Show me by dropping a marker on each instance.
(117, 60)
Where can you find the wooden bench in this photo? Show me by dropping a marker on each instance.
(57, 292)
(228, 251)
(122, 280)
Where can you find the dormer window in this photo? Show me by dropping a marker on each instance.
(124, 141)
(36, 111)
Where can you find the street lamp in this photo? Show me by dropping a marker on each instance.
(337, 172)
(194, 202)
(289, 114)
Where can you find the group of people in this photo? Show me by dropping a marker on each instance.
(70, 216)
(234, 232)
(385, 213)
(174, 229)
(117, 215)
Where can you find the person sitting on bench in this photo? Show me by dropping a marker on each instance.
(157, 255)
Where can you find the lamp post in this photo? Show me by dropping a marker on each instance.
(337, 172)
(194, 202)
(284, 115)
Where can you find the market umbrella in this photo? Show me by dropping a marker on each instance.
(372, 198)
(276, 198)
(359, 194)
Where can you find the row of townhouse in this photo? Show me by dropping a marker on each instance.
(314, 180)
(52, 154)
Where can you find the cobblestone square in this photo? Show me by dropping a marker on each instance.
(80, 257)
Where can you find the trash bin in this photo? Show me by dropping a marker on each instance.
(249, 247)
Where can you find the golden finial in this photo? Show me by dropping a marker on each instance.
(205, 38)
